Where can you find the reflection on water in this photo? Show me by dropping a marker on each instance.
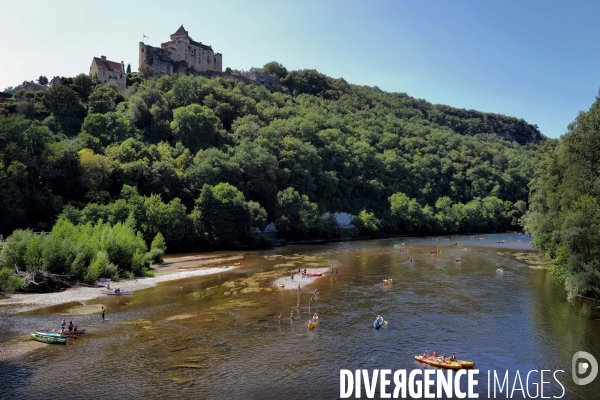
(218, 336)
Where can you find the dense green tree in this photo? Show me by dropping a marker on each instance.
(108, 128)
(297, 216)
(274, 68)
(197, 127)
(366, 224)
(104, 99)
(224, 217)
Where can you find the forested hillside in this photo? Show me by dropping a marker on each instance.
(564, 215)
(205, 161)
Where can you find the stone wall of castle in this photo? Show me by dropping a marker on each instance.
(180, 54)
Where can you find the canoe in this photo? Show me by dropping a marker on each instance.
(280, 285)
(43, 332)
(388, 282)
(312, 325)
(66, 331)
(40, 337)
(378, 324)
(434, 251)
(311, 275)
(466, 364)
(112, 292)
(438, 363)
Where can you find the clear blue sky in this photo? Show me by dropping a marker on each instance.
(533, 59)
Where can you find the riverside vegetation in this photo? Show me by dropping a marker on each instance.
(184, 162)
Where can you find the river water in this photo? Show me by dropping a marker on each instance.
(218, 337)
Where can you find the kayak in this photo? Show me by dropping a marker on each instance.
(388, 282)
(112, 292)
(312, 325)
(434, 251)
(466, 364)
(280, 285)
(41, 337)
(438, 363)
(311, 275)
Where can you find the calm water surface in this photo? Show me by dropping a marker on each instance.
(218, 337)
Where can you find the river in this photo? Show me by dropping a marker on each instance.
(218, 337)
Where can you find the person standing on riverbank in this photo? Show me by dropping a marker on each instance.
(103, 311)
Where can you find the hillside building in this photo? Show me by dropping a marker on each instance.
(109, 71)
(34, 87)
(180, 54)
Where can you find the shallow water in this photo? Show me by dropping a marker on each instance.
(218, 337)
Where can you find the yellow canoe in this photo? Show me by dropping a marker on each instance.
(466, 364)
(438, 363)
(312, 325)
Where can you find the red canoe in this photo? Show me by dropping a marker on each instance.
(66, 331)
(311, 275)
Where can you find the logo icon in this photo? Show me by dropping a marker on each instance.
(581, 368)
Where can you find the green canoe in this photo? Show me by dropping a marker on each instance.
(51, 339)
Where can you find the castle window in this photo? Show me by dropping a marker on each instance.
(104, 73)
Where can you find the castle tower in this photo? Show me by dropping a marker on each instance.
(180, 34)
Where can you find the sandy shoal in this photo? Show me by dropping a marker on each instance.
(172, 269)
(289, 284)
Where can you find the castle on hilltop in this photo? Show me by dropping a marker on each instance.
(180, 54)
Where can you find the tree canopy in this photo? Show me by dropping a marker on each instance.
(206, 161)
(564, 214)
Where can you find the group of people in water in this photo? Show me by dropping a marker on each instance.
(435, 357)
